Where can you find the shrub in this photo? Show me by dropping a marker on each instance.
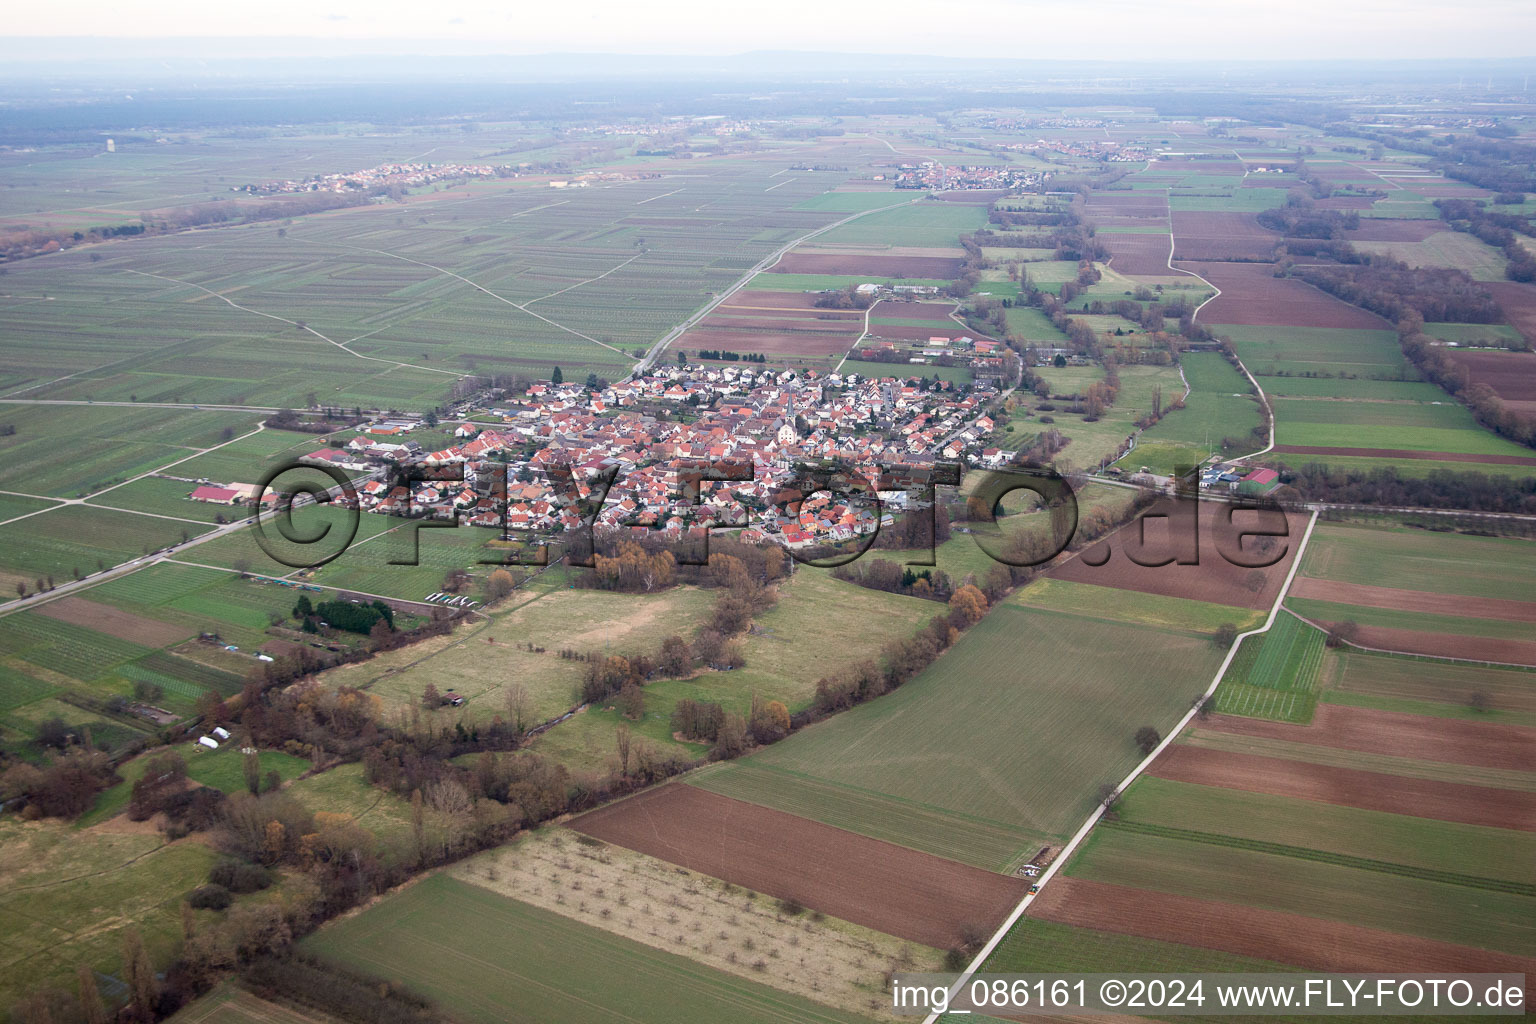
(792, 906)
(210, 897)
(240, 877)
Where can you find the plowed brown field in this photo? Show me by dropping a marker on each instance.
(1449, 645)
(1349, 787)
(873, 266)
(1380, 229)
(1518, 301)
(1267, 934)
(1414, 600)
(1512, 375)
(1146, 255)
(1251, 294)
(1221, 236)
(77, 611)
(1213, 579)
(889, 888)
(1400, 735)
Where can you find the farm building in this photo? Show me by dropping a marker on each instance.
(1260, 481)
(215, 495)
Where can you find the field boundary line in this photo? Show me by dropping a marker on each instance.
(1304, 853)
(1098, 811)
(523, 307)
(578, 284)
(762, 265)
(293, 323)
(1195, 316)
(1414, 654)
(868, 311)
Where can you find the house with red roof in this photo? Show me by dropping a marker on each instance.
(215, 495)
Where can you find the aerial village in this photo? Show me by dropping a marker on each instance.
(653, 429)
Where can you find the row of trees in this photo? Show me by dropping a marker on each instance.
(1495, 229)
(844, 298)
(1490, 410)
(1439, 489)
(731, 357)
(1300, 218)
(900, 659)
(1392, 289)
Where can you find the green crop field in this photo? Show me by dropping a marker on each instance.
(919, 224)
(1406, 468)
(1049, 276)
(1275, 674)
(1392, 843)
(1032, 325)
(1496, 335)
(1174, 613)
(1240, 200)
(1453, 249)
(1012, 731)
(69, 452)
(370, 307)
(1443, 563)
(241, 548)
(1416, 426)
(77, 539)
(1449, 685)
(12, 506)
(1320, 351)
(62, 647)
(485, 957)
(247, 459)
(40, 655)
(1219, 407)
(1438, 910)
(1352, 388)
(1403, 206)
(856, 202)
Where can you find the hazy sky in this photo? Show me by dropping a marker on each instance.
(1050, 29)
